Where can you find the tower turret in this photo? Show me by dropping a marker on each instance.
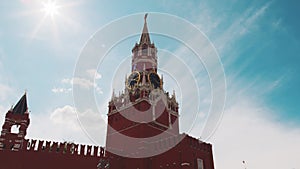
(18, 118)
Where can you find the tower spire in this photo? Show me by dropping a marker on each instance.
(21, 106)
(145, 38)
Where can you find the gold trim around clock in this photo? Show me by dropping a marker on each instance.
(139, 78)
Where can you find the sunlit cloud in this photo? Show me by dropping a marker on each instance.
(61, 90)
(93, 74)
(86, 83)
(63, 124)
(249, 132)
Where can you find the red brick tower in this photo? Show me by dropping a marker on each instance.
(143, 127)
(17, 117)
(144, 109)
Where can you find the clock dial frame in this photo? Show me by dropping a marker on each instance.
(155, 80)
(133, 79)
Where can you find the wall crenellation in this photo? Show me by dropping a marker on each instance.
(65, 148)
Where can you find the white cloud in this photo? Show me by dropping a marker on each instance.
(250, 132)
(63, 124)
(88, 82)
(83, 83)
(65, 116)
(93, 74)
(61, 90)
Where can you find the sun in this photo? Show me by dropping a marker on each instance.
(51, 8)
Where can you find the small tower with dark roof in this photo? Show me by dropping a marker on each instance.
(17, 118)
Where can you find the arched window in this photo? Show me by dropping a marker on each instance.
(15, 129)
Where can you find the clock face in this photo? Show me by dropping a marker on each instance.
(133, 79)
(154, 79)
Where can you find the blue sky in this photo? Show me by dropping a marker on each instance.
(258, 43)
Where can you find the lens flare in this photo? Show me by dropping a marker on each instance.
(51, 8)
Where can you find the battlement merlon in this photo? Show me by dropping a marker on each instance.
(66, 148)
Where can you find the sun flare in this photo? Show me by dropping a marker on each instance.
(51, 8)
